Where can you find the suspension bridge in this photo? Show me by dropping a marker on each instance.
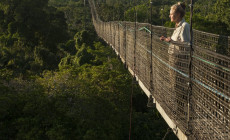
(191, 88)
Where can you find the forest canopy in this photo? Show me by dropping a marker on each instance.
(209, 15)
(58, 80)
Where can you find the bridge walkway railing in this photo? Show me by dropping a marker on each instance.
(166, 75)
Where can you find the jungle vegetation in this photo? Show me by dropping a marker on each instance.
(211, 16)
(58, 80)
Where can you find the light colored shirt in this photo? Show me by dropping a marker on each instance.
(181, 32)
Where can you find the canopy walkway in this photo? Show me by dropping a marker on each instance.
(196, 106)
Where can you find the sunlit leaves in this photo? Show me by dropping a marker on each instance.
(223, 11)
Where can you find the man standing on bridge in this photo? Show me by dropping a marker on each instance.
(178, 50)
(182, 30)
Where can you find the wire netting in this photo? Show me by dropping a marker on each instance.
(209, 101)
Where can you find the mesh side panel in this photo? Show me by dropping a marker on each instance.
(209, 112)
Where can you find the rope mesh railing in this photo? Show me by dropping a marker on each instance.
(209, 103)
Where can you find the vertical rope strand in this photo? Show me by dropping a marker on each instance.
(135, 38)
(190, 70)
(151, 49)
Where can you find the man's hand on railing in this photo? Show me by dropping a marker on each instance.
(167, 39)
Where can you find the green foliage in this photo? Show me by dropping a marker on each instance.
(26, 25)
(66, 62)
(87, 97)
(85, 37)
(124, 10)
(68, 47)
(89, 101)
(147, 123)
(6, 75)
(77, 14)
(209, 15)
(45, 58)
(84, 56)
(140, 10)
(35, 115)
(223, 11)
(164, 12)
